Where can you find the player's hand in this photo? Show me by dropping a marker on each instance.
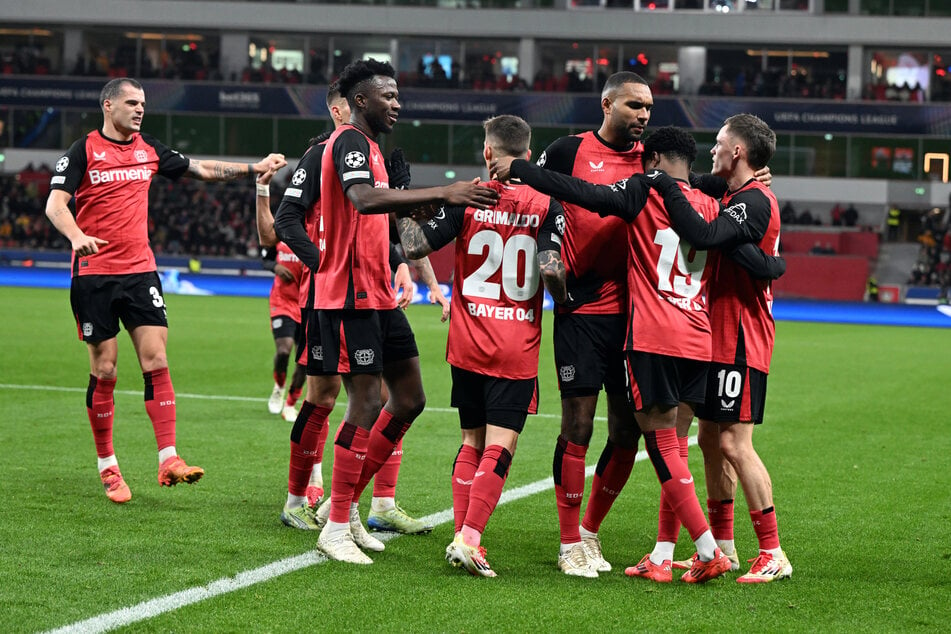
(582, 290)
(764, 176)
(471, 194)
(500, 169)
(657, 179)
(271, 162)
(265, 178)
(283, 272)
(84, 245)
(436, 297)
(403, 284)
(397, 169)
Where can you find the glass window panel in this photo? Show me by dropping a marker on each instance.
(488, 64)
(836, 6)
(429, 62)
(909, 7)
(422, 142)
(543, 137)
(195, 134)
(793, 5)
(467, 143)
(348, 49)
(79, 123)
(820, 155)
(31, 51)
(884, 157)
(38, 129)
(155, 124)
(248, 136)
(294, 135)
(875, 7)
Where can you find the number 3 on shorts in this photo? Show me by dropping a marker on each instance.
(157, 300)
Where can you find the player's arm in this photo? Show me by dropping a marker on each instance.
(735, 224)
(57, 210)
(263, 218)
(212, 170)
(716, 186)
(624, 198)
(550, 265)
(419, 239)
(302, 193)
(428, 277)
(757, 262)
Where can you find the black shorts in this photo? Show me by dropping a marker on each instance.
(657, 379)
(300, 339)
(735, 393)
(313, 349)
(99, 302)
(363, 341)
(284, 326)
(589, 353)
(483, 400)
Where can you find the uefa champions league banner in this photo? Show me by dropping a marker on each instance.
(578, 110)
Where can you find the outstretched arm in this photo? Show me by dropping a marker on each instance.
(211, 170)
(264, 219)
(757, 263)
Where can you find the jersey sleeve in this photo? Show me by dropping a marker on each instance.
(268, 258)
(757, 263)
(443, 228)
(172, 163)
(552, 229)
(710, 184)
(302, 193)
(351, 157)
(560, 155)
(624, 199)
(70, 168)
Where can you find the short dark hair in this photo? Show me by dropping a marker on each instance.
(759, 139)
(508, 134)
(672, 142)
(617, 80)
(355, 75)
(114, 86)
(333, 93)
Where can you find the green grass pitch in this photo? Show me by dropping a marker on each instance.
(857, 440)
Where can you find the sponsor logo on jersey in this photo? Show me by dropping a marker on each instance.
(277, 322)
(287, 257)
(293, 192)
(363, 357)
(62, 164)
(299, 177)
(141, 156)
(349, 176)
(354, 159)
(87, 329)
(57, 180)
(506, 218)
(542, 159)
(736, 211)
(596, 167)
(98, 156)
(119, 175)
(620, 185)
(566, 373)
(317, 352)
(725, 404)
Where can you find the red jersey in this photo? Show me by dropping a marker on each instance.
(284, 299)
(110, 180)
(667, 282)
(590, 241)
(496, 318)
(354, 270)
(742, 307)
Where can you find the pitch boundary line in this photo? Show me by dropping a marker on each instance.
(176, 600)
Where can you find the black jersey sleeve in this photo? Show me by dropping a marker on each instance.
(351, 157)
(443, 228)
(552, 231)
(70, 168)
(757, 263)
(302, 193)
(560, 155)
(624, 198)
(172, 163)
(710, 184)
(268, 258)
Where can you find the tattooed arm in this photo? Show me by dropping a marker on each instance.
(550, 265)
(211, 170)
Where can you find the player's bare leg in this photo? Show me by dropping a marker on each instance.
(283, 346)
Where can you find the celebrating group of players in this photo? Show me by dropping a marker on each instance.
(662, 326)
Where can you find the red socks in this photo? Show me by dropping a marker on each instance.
(280, 377)
(764, 524)
(160, 406)
(487, 486)
(386, 433)
(384, 482)
(100, 409)
(292, 395)
(720, 513)
(463, 472)
(350, 453)
(675, 479)
(610, 476)
(305, 436)
(668, 526)
(568, 472)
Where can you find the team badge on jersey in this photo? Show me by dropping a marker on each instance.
(141, 156)
(317, 352)
(355, 159)
(87, 329)
(566, 373)
(62, 164)
(276, 323)
(363, 357)
(299, 177)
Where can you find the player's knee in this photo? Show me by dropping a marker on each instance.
(708, 441)
(105, 369)
(152, 362)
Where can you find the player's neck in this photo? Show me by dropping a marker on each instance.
(740, 176)
(110, 132)
(363, 127)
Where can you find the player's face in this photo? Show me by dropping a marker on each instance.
(125, 112)
(382, 104)
(724, 152)
(627, 112)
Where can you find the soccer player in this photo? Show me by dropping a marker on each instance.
(298, 218)
(364, 337)
(114, 275)
(285, 326)
(668, 333)
(501, 254)
(742, 343)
